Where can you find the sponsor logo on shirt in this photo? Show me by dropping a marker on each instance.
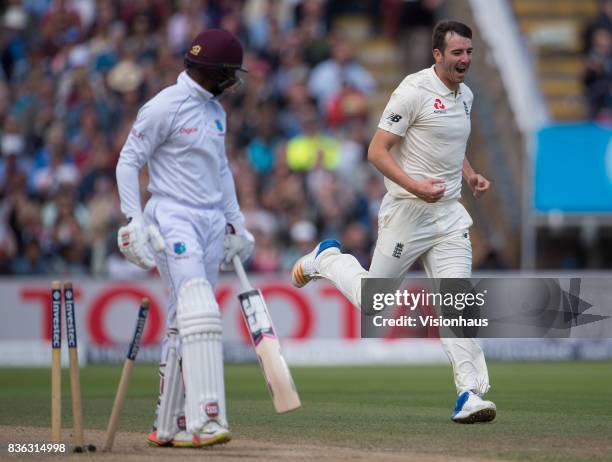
(439, 107)
(393, 117)
(180, 248)
(188, 130)
(467, 110)
(219, 125)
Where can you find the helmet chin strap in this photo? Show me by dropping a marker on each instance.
(220, 87)
(229, 80)
(223, 85)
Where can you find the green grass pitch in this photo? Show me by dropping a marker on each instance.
(546, 411)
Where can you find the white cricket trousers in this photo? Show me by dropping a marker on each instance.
(194, 245)
(438, 234)
(194, 249)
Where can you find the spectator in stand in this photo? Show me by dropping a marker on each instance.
(291, 70)
(61, 25)
(8, 249)
(13, 39)
(295, 101)
(356, 240)
(73, 75)
(32, 261)
(262, 21)
(104, 219)
(313, 148)
(598, 75)
(303, 236)
(410, 23)
(68, 221)
(283, 194)
(261, 151)
(312, 28)
(53, 165)
(12, 147)
(603, 20)
(267, 259)
(192, 15)
(28, 226)
(328, 77)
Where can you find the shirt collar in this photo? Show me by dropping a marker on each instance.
(193, 87)
(439, 86)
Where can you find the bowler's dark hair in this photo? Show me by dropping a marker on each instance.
(438, 40)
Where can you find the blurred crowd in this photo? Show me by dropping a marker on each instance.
(73, 75)
(598, 63)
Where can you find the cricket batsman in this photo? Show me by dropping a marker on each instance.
(191, 224)
(419, 147)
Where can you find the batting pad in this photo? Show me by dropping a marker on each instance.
(170, 411)
(199, 324)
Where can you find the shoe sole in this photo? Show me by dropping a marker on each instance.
(159, 444)
(219, 439)
(299, 279)
(482, 416)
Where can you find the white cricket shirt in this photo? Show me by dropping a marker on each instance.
(435, 125)
(180, 134)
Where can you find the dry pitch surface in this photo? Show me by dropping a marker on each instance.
(130, 446)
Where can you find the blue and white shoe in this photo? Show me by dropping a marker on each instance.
(304, 269)
(471, 408)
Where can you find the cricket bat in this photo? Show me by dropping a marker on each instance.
(267, 347)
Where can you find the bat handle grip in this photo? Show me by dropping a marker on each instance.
(244, 281)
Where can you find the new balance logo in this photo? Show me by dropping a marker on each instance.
(393, 117)
(399, 248)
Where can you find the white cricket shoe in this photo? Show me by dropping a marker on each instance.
(212, 433)
(180, 439)
(471, 408)
(304, 269)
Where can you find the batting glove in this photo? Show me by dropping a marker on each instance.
(242, 244)
(137, 243)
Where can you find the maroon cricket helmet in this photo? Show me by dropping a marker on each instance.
(216, 49)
